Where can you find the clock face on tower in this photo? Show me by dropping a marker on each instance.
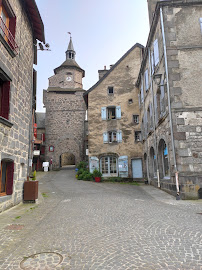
(68, 78)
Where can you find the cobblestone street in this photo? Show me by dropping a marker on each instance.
(86, 225)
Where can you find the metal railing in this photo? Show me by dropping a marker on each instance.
(8, 37)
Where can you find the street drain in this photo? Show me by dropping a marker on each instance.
(41, 261)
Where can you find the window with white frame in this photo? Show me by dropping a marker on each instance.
(111, 113)
(135, 119)
(112, 136)
(108, 166)
(138, 137)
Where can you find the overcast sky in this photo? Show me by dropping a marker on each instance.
(102, 31)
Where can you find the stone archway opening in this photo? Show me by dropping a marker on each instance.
(67, 159)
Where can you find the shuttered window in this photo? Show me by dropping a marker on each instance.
(156, 52)
(119, 136)
(4, 95)
(105, 137)
(201, 24)
(118, 112)
(104, 113)
(109, 113)
(146, 79)
(112, 136)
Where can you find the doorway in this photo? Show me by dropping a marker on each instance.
(67, 159)
(137, 168)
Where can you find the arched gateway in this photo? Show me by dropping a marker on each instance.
(65, 112)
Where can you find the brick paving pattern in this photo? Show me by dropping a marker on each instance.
(101, 226)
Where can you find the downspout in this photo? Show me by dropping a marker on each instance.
(169, 106)
(154, 118)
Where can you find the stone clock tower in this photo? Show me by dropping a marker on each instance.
(65, 113)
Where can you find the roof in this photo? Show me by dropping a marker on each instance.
(114, 66)
(154, 23)
(35, 19)
(40, 119)
(69, 63)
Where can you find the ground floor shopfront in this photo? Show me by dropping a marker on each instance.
(113, 165)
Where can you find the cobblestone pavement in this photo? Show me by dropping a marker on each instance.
(98, 226)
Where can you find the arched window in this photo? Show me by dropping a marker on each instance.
(163, 159)
(153, 168)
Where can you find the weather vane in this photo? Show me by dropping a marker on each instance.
(70, 34)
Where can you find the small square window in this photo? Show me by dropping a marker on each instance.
(138, 136)
(130, 101)
(136, 119)
(110, 90)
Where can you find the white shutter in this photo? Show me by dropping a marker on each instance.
(118, 112)
(105, 137)
(156, 109)
(94, 163)
(119, 136)
(142, 93)
(156, 52)
(152, 62)
(123, 166)
(139, 100)
(201, 24)
(104, 113)
(146, 78)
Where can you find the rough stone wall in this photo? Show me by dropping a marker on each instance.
(14, 141)
(151, 9)
(122, 78)
(60, 79)
(65, 116)
(184, 54)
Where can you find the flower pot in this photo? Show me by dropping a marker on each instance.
(30, 190)
(97, 179)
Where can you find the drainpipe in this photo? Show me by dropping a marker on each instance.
(169, 106)
(154, 118)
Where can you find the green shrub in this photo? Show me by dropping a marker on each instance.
(97, 173)
(82, 165)
(88, 176)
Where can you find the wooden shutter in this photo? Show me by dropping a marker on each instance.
(105, 137)
(9, 178)
(12, 27)
(156, 52)
(119, 136)
(104, 113)
(156, 109)
(94, 164)
(118, 112)
(146, 80)
(5, 100)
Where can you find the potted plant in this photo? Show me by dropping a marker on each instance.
(97, 175)
(31, 188)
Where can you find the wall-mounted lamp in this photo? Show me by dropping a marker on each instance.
(157, 79)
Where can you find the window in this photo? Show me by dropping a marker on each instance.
(6, 177)
(130, 101)
(111, 113)
(112, 136)
(108, 165)
(110, 90)
(146, 80)
(138, 136)
(136, 119)
(8, 25)
(201, 24)
(142, 93)
(4, 98)
(156, 52)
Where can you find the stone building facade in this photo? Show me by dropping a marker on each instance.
(65, 113)
(170, 98)
(114, 144)
(20, 26)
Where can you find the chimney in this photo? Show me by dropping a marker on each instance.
(102, 72)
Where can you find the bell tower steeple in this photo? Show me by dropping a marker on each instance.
(70, 53)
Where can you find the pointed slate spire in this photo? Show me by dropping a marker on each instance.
(70, 53)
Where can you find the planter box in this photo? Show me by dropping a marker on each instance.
(97, 179)
(30, 190)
